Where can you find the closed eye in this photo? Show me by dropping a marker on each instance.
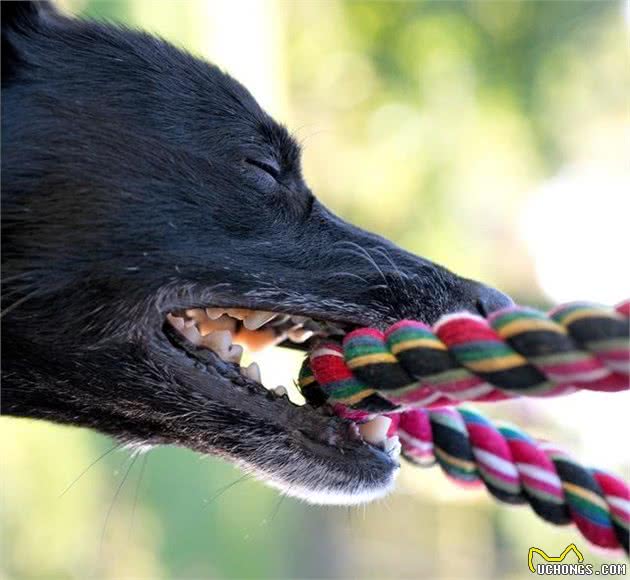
(268, 166)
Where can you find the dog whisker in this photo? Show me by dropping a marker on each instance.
(362, 252)
(132, 460)
(383, 252)
(136, 496)
(225, 488)
(279, 502)
(351, 275)
(99, 458)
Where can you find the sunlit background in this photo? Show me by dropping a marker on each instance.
(489, 136)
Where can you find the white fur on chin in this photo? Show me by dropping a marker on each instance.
(359, 495)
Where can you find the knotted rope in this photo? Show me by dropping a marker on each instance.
(514, 352)
(414, 374)
(517, 469)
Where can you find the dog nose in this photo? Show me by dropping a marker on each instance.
(490, 300)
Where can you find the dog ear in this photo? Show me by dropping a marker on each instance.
(18, 20)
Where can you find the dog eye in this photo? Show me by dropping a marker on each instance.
(268, 166)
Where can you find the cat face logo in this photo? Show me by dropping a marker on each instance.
(560, 558)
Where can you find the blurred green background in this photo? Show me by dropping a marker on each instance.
(488, 136)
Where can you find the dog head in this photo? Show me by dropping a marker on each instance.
(142, 186)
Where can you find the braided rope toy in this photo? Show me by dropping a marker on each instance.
(414, 374)
(515, 352)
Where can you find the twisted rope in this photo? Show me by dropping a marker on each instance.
(414, 374)
(517, 469)
(514, 352)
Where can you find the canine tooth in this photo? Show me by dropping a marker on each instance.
(218, 341)
(280, 391)
(192, 334)
(189, 332)
(197, 314)
(238, 313)
(214, 313)
(175, 321)
(257, 319)
(300, 335)
(375, 431)
(252, 372)
(222, 323)
(234, 354)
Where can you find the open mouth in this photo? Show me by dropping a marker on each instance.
(233, 335)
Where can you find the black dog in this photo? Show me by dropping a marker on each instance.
(140, 185)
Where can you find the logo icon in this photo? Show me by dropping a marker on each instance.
(547, 558)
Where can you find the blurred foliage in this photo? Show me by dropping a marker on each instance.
(443, 116)
(431, 123)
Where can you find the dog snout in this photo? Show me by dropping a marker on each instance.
(490, 300)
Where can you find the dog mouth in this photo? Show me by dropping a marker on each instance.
(233, 335)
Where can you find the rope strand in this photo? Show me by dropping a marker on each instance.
(517, 469)
(514, 352)
(414, 374)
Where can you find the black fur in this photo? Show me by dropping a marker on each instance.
(137, 180)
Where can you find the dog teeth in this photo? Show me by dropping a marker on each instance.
(214, 313)
(238, 313)
(175, 321)
(219, 342)
(192, 334)
(234, 354)
(300, 335)
(257, 319)
(281, 319)
(189, 332)
(224, 322)
(252, 372)
(375, 430)
(197, 314)
(226, 331)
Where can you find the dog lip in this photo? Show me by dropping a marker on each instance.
(334, 446)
